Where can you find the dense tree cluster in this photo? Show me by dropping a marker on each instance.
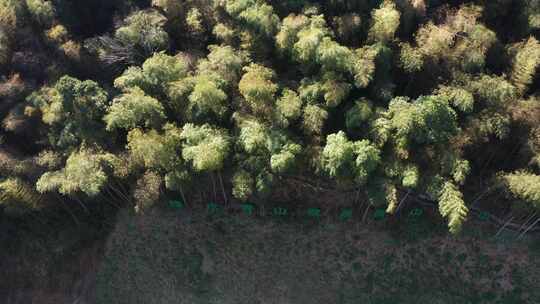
(386, 96)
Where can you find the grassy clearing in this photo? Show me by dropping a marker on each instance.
(166, 257)
(48, 260)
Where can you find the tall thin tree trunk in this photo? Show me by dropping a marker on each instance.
(222, 188)
(66, 207)
(213, 184)
(81, 203)
(182, 194)
(122, 189)
(120, 194)
(112, 196)
(365, 213)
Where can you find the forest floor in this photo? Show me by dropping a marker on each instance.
(180, 256)
(177, 257)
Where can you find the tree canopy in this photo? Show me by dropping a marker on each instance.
(395, 99)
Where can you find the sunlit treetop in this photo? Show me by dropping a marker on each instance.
(144, 29)
(525, 64)
(205, 147)
(332, 56)
(225, 61)
(427, 120)
(287, 36)
(255, 14)
(289, 107)
(155, 75)
(72, 108)
(207, 98)
(84, 172)
(385, 22)
(258, 88)
(133, 109)
(309, 38)
(523, 185)
(342, 158)
(452, 206)
(42, 11)
(156, 150)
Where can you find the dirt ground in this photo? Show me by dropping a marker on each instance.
(177, 257)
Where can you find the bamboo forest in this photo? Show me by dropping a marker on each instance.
(263, 151)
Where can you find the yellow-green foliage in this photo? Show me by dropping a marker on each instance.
(242, 185)
(42, 11)
(205, 147)
(309, 38)
(134, 108)
(533, 144)
(58, 33)
(461, 41)
(494, 91)
(253, 136)
(261, 17)
(11, 13)
(287, 36)
(532, 13)
(411, 59)
(5, 47)
(155, 75)
(452, 206)
(193, 20)
(144, 29)
(207, 97)
(84, 172)
(525, 65)
(286, 158)
(385, 95)
(258, 88)
(147, 191)
(49, 159)
(289, 107)
(172, 8)
(363, 65)
(458, 97)
(411, 177)
(391, 198)
(224, 61)
(160, 152)
(314, 118)
(344, 158)
(19, 195)
(224, 33)
(336, 89)
(435, 41)
(385, 22)
(524, 185)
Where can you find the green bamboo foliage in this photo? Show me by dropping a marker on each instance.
(258, 89)
(243, 185)
(85, 171)
(386, 96)
(147, 191)
(42, 11)
(385, 22)
(342, 158)
(19, 196)
(525, 64)
(523, 185)
(205, 147)
(452, 207)
(134, 108)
